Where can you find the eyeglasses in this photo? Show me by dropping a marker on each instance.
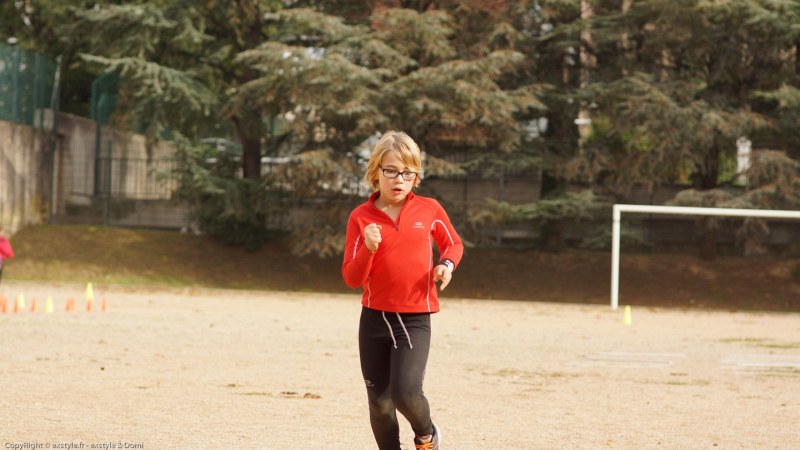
(391, 173)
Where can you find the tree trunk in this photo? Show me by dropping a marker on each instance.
(552, 231)
(251, 157)
(625, 44)
(250, 138)
(588, 64)
(707, 178)
(249, 126)
(707, 241)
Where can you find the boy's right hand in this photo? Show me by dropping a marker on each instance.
(372, 236)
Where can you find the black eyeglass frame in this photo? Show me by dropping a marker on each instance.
(406, 174)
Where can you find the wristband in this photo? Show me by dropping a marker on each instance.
(447, 263)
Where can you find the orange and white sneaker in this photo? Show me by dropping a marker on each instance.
(431, 443)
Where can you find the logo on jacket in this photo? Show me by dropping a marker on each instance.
(419, 225)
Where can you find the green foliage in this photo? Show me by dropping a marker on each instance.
(438, 167)
(140, 28)
(669, 86)
(599, 237)
(773, 183)
(423, 37)
(568, 206)
(651, 133)
(678, 84)
(795, 273)
(309, 195)
(773, 180)
(231, 209)
(322, 190)
(341, 83)
(575, 206)
(318, 231)
(160, 97)
(238, 214)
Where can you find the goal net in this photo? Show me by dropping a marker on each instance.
(683, 210)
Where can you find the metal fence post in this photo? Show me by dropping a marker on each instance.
(15, 87)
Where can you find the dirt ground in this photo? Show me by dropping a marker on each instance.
(210, 369)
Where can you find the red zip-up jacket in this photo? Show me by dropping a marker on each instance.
(398, 277)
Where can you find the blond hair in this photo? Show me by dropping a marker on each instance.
(406, 149)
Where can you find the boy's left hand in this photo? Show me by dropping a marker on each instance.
(442, 273)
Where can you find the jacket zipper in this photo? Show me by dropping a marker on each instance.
(396, 224)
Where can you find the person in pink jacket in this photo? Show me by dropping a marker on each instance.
(6, 252)
(388, 254)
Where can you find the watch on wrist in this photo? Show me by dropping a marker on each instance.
(449, 264)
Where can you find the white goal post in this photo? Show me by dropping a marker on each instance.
(686, 210)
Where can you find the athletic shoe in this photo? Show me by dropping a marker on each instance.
(434, 443)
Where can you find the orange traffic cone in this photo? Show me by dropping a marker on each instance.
(3, 305)
(104, 305)
(34, 306)
(89, 305)
(71, 305)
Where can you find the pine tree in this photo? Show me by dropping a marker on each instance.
(283, 79)
(404, 69)
(671, 103)
(177, 61)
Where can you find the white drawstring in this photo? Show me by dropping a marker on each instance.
(404, 330)
(391, 333)
(394, 342)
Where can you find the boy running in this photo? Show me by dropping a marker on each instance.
(388, 252)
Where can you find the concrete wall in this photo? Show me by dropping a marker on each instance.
(29, 168)
(25, 168)
(129, 169)
(465, 192)
(132, 179)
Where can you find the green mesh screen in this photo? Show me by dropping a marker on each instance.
(104, 97)
(26, 85)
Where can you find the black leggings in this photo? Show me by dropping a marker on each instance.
(393, 364)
